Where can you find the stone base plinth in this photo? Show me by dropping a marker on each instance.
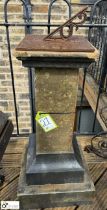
(54, 195)
(53, 168)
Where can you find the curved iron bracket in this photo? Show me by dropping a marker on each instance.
(81, 15)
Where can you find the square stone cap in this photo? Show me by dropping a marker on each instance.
(76, 46)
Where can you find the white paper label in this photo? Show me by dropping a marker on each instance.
(46, 122)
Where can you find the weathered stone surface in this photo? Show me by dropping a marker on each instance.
(59, 139)
(56, 92)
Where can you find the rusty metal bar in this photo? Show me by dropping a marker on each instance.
(71, 24)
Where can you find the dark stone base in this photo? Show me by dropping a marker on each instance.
(53, 168)
(54, 195)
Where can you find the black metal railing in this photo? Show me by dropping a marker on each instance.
(97, 70)
(97, 36)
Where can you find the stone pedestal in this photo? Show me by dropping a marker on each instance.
(54, 172)
(56, 93)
